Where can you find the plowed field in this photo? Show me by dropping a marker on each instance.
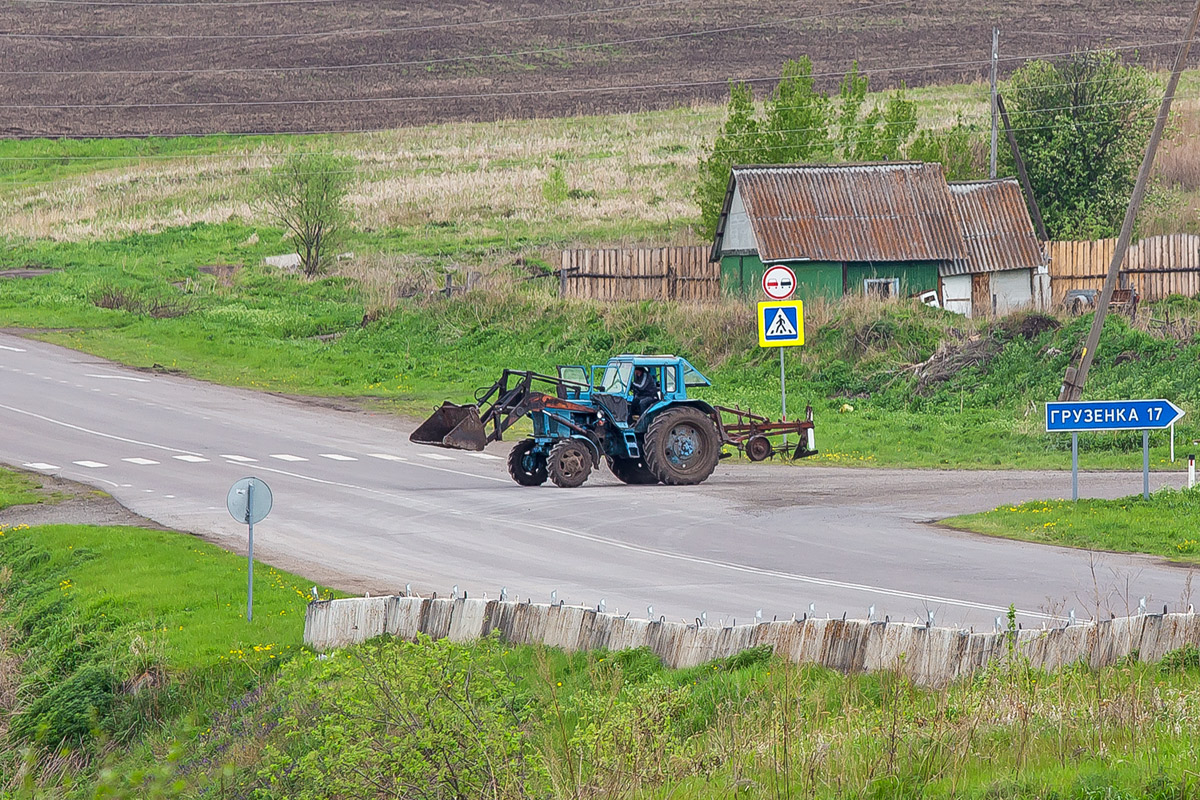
(142, 68)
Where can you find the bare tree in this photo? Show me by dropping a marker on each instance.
(307, 196)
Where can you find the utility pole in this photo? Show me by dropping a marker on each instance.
(995, 113)
(1072, 386)
(1022, 173)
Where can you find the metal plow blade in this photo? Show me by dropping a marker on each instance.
(454, 426)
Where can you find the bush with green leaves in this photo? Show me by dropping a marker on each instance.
(424, 719)
(307, 196)
(802, 124)
(1082, 124)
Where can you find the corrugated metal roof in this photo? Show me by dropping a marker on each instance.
(895, 211)
(997, 229)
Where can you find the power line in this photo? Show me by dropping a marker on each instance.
(242, 156)
(317, 34)
(430, 62)
(396, 98)
(978, 118)
(337, 32)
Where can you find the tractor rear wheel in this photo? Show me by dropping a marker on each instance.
(682, 446)
(631, 470)
(569, 463)
(526, 467)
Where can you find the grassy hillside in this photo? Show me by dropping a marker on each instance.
(128, 670)
(159, 245)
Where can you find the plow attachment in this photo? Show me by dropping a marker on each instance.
(758, 437)
(454, 426)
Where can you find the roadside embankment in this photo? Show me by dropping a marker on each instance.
(929, 656)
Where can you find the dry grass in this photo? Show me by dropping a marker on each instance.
(481, 176)
(621, 178)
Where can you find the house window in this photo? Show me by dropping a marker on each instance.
(882, 288)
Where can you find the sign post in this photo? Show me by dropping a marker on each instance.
(249, 501)
(1111, 415)
(778, 283)
(781, 324)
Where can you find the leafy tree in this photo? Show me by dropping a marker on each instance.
(307, 196)
(955, 149)
(1082, 125)
(882, 133)
(737, 143)
(801, 124)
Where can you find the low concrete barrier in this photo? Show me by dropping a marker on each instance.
(928, 655)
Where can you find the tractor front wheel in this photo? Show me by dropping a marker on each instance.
(569, 463)
(631, 470)
(682, 446)
(525, 466)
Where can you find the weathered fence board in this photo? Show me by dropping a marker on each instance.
(929, 655)
(658, 273)
(1156, 266)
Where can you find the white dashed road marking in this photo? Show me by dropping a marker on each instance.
(338, 457)
(438, 457)
(140, 461)
(487, 456)
(40, 466)
(239, 459)
(119, 378)
(387, 456)
(90, 464)
(190, 459)
(288, 457)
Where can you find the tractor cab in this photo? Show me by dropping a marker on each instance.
(611, 385)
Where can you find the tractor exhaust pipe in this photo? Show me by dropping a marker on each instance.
(453, 426)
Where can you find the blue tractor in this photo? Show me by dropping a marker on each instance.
(633, 413)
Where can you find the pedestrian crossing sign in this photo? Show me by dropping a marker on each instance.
(781, 324)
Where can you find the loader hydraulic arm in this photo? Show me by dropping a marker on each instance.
(497, 407)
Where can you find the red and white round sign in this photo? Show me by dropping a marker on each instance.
(779, 282)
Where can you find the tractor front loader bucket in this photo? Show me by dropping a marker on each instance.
(454, 426)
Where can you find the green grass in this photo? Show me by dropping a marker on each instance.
(136, 219)
(18, 489)
(1168, 524)
(234, 708)
(86, 613)
(261, 332)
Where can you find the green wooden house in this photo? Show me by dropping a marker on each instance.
(890, 229)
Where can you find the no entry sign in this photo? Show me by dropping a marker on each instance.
(779, 282)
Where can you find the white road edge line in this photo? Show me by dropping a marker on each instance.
(112, 436)
(14, 349)
(118, 378)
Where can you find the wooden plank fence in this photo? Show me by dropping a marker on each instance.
(1156, 266)
(658, 273)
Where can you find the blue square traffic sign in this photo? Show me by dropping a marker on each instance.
(780, 324)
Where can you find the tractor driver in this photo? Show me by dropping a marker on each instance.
(645, 391)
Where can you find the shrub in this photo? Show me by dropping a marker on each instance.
(307, 196)
(70, 710)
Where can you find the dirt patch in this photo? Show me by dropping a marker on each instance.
(69, 503)
(146, 68)
(1030, 325)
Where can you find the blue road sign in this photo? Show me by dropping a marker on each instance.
(1111, 415)
(781, 324)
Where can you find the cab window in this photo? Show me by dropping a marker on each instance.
(575, 381)
(669, 379)
(616, 378)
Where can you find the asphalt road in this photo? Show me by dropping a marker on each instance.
(359, 507)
